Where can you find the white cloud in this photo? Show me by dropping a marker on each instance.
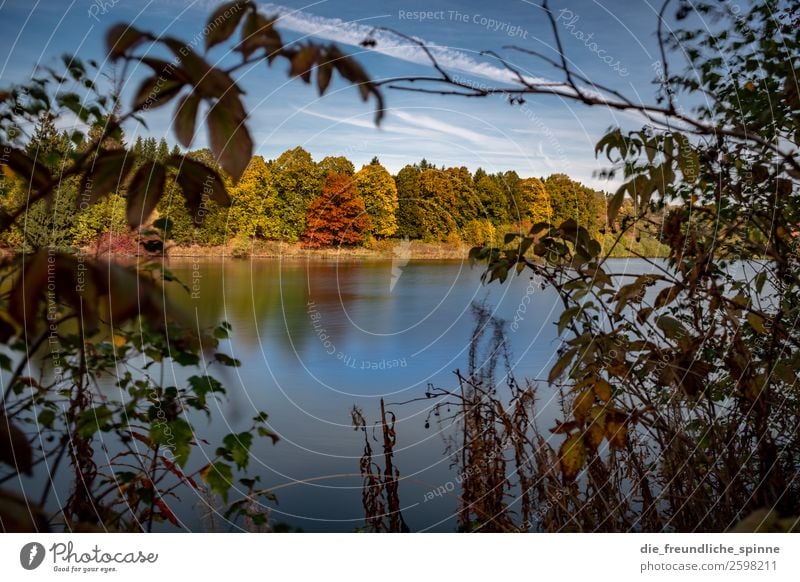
(353, 32)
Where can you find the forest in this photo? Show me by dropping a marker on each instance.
(296, 199)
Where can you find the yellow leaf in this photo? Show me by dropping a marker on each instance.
(596, 431)
(602, 390)
(581, 405)
(119, 341)
(757, 322)
(572, 456)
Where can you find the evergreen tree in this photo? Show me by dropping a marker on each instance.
(409, 212)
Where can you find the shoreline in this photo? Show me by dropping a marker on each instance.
(394, 250)
(383, 250)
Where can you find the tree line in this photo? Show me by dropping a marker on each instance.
(295, 199)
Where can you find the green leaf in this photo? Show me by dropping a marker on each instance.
(615, 203)
(46, 417)
(238, 446)
(106, 175)
(226, 360)
(204, 385)
(92, 420)
(756, 321)
(219, 477)
(175, 435)
(265, 432)
(671, 327)
(121, 38)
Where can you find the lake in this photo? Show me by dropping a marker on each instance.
(317, 337)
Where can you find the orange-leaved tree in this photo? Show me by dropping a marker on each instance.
(338, 215)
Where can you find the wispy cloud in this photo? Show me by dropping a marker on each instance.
(420, 126)
(354, 32)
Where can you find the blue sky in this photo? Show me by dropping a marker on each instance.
(544, 136)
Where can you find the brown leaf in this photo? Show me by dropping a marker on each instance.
(165, 511)
(259, 32)
(303, 61)
(197, 181)
(105, 176)
(595, 432)
(36, 175)
(156, 91)
(209, 82)
(186, 118)
(564, 427)
(616, 429)
(228, 136)
(324, 73)
(55, 273)
(572, 456)
(144, 192)
(122, 37)
(223, 22)
(667, 296)
(19, 515)
(15, 450)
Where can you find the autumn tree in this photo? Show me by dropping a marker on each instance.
(379, 192)
(437, 205)
(572, 200)
(410, 214)
(337, 216)
(493, 197)
(250, 198)
(466, 203)
(298, 181)
(532, 201)
(337, 164)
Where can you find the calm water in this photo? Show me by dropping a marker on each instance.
(315, 338)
